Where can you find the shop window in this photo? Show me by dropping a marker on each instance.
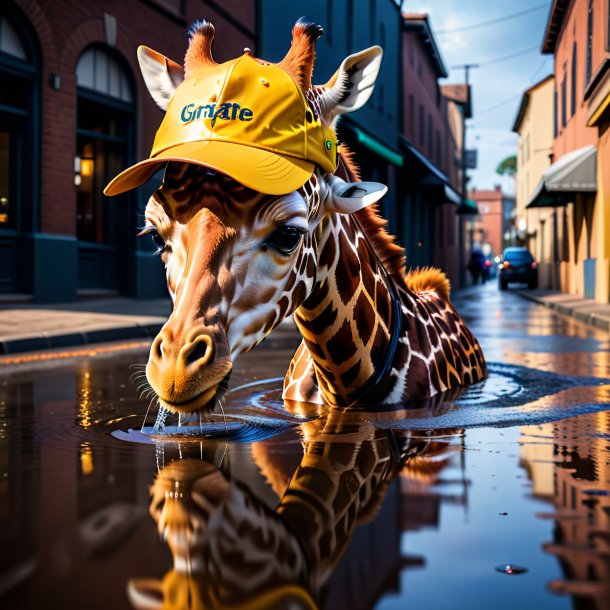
(103, 137)
(16, 127)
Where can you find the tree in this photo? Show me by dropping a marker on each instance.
(507, 167)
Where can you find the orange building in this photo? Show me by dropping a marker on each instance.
(492, 230)
(577, 185)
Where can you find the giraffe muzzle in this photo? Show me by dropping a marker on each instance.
(187, 370)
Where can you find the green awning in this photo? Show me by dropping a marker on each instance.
(379, 148)
(468, 206)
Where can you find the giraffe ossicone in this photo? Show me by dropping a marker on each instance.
(262, 219)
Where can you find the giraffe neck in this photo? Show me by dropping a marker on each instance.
(349, 322)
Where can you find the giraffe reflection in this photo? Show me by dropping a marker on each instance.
(231, 551)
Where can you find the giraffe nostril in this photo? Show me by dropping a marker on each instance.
(201, 348)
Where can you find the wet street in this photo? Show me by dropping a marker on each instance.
(496, 498)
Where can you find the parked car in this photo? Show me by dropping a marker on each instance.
(518, 265)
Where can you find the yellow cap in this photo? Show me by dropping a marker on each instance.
(244, 118)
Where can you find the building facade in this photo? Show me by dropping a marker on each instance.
(74, 111)
(494, 227)
(409, 134)
(575, 188)
(534, 125)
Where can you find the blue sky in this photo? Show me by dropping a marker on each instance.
(497, 86)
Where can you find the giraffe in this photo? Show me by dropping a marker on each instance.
(230, 550)
(239, 261)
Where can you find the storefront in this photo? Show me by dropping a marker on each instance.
(19, 149)
(104, 147)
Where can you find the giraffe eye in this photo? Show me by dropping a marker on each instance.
(284, 239)
(154, 234)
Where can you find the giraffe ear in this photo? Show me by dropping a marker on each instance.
(161, 75)
(352, 84)
(350, 197)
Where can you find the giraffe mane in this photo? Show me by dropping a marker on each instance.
(391, 255)
(429, 278)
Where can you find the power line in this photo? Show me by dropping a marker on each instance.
(492, 21)
(505, 57)
(499, 104)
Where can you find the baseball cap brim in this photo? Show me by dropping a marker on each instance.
(258, 169)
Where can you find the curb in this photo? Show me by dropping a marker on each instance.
(46, 341)
(592, 319)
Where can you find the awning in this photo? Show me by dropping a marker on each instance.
(429, 174)
(378, 147)
(575, 172)
(468, 206)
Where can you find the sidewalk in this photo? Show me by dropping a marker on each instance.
(584, 310)
(26, 328)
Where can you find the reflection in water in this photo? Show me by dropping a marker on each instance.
(572, 471)
(230, 550)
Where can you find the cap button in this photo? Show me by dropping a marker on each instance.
(247, 51)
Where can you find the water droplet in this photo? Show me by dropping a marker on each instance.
(509, 568)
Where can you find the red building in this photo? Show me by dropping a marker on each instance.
(432, 126)
(493, 229)
(73, 112)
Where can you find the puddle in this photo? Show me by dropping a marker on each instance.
(313, 508)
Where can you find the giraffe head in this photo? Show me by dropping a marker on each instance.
(236, 217)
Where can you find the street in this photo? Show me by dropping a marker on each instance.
(516, 470)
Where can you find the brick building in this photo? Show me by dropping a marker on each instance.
(494, 228)
(575, 189)
(73, 112)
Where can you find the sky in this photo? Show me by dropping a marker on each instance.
(497, 86)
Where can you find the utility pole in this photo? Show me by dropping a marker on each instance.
(462, 271)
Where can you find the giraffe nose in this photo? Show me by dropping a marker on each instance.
(198, 349)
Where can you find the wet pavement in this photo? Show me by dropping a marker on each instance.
(497, 497)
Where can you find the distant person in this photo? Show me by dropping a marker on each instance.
(477, 268)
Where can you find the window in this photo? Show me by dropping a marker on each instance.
(15, 121)
(411, 116)
(555, 117)
(589, 43)
(9, 40)
(99, 71)
(573, 83)
(422, 125)
(350, 25)
(564, 109)
(103, 133)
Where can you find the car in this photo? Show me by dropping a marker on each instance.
(518, 265)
